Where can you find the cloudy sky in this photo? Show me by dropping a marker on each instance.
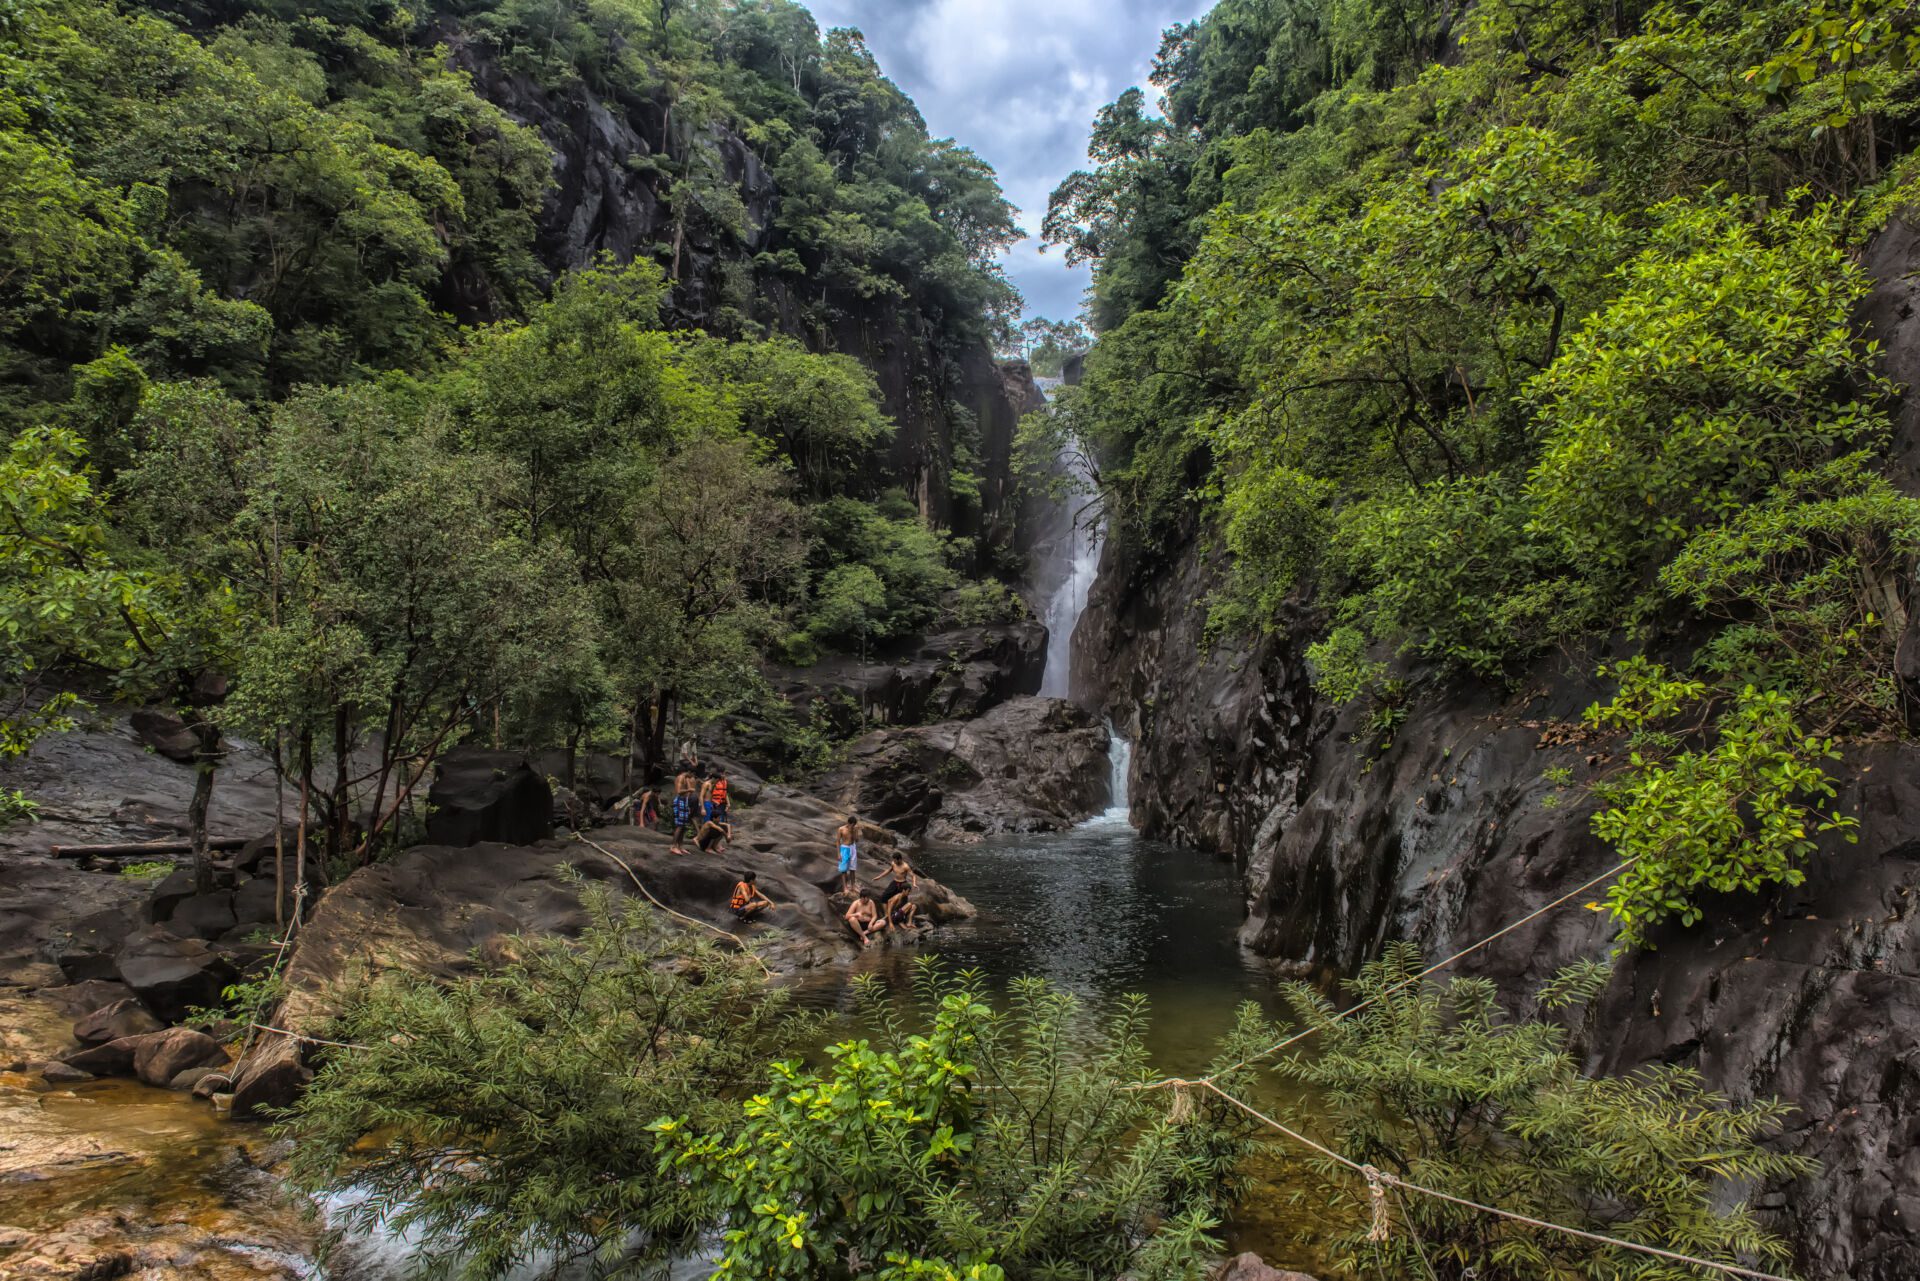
(1018, 81)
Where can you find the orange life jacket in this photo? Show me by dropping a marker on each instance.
(742, 895)
(720, 791)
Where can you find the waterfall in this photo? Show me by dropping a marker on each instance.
(1119, 761)
(1066, 557)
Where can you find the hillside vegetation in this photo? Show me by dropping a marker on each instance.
(306, 439)
(1493, 330)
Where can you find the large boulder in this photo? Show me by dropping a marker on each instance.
(488, 796)
(269, 1078)
(115, 1058)
(170, 974)
(1029, 765)
(166, 734)
(159, 1057)
(86, 949)
(205, 916)
(123, 1018)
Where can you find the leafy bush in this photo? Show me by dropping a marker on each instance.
(153, 871)
(506, 1114)
(1811, 581)
(992, 1144)
(1431, 1084)
(1732, 815)
(1728, 358)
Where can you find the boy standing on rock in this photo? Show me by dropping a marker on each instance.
(849, 839)
(684, 788)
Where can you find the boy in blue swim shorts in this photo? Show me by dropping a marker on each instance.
(849, 838)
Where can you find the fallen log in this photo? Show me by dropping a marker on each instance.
(126, 848)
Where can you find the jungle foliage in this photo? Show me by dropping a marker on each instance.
(306, 441)
(1494, 330)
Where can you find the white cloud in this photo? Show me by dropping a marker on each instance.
(1019, 81)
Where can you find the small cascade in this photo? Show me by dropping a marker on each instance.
(1119, 812)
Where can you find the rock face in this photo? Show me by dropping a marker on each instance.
(948, 675)
(488, 796)
(1029, 765)
(607, 198)
(1451, 830)
(162, 1056)
(1251, 1267)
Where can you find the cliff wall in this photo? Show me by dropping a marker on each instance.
(1449, 829)
(948, 398)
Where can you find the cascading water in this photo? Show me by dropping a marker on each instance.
(1066, 554)
(1119, 762)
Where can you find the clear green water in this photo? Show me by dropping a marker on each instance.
(1104, 913)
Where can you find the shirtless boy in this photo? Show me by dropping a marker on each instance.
(848, 837)
(864, 917)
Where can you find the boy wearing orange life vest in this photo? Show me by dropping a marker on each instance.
(747, 901)
(717, 798)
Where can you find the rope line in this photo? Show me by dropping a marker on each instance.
(1404, 984)
(734, 939)
(309, 1040)
(1375, 1177)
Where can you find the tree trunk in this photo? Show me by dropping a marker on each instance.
(279, 829)
(337, 842)
(657, 734)
(206, 737)
(573, 752)
(300, 836)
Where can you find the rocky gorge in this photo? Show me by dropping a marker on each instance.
(1460, 820)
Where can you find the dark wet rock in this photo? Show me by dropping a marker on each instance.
(1251, 1267)
(254, 902)
(58, 1073)
(205, 916)
(958, 673)
(1451, 830)
(159, 1057)
(488, 796)
(115, 1058)
(1029, 765)
(166, 734)
(87, 949)
(79, 999)
(172, 975)
(175, 889)
(123, 1018)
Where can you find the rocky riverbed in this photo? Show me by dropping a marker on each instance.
(114, 1160)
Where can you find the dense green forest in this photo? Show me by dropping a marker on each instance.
(304, 440)
(1494, 330)
(1467, 340)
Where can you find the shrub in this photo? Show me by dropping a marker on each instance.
(1731, 814)
(1431, 1084)
(505, 1115)
(995, 1143)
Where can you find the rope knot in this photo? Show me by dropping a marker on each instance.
(1377, 1192)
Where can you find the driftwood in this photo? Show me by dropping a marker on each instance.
(146, 847)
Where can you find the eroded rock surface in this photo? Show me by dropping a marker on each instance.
(1029, 765)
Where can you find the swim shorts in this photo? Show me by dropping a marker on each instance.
(849, 854)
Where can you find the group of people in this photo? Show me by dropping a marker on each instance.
(869, 914)
(699, 804)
